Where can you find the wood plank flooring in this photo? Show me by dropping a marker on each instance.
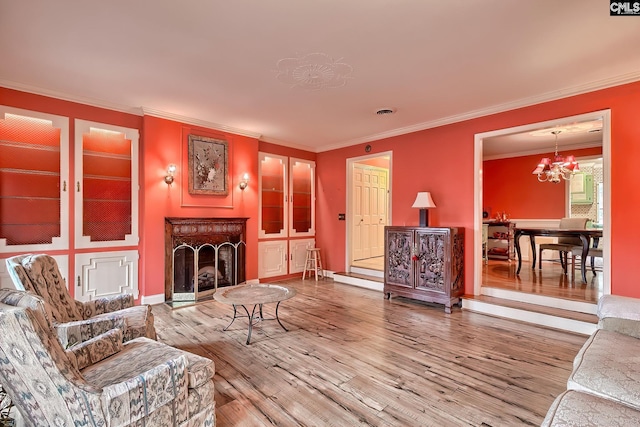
(353, 358)
(548, 281)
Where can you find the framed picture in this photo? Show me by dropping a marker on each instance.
(208, 166)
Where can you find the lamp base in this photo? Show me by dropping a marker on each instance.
(424, 217)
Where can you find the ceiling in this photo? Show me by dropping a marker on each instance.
(312, 74)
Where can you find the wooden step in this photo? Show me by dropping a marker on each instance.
(556, 318)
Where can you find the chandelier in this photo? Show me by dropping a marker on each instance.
(560, 168)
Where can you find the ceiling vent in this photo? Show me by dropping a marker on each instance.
(384, 111)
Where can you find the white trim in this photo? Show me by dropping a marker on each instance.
(605, 115)
(368, 272)
(542, 300)
(152, 299)
(539, 319)
(349, 194)
(197, 122)
(72, 98)
(361, 283)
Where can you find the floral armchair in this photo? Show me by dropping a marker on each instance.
(73, 320)
(100, 382)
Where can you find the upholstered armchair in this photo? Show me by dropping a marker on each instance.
(76, 321)
(565, 244)
(100, 382)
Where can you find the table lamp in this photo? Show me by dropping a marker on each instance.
(424, 202)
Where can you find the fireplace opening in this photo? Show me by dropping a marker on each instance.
(202, 255)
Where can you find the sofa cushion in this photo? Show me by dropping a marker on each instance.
(573, 408)
(608, 365)
(142, 353)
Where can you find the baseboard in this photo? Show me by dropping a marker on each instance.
(152, 299)
(356, 281)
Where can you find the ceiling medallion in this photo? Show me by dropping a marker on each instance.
(314, 71)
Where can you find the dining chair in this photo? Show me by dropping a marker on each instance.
(577, 252)
(565, 245)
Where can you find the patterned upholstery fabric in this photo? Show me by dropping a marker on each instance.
(607, 366)
(76, 321)
(575, 409)
(143, 383)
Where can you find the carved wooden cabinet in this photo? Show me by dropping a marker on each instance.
(425, 264)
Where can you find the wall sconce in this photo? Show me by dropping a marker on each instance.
(244, 181)
(168, 178)
(423, 202)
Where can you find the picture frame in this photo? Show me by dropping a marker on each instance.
(208, 166)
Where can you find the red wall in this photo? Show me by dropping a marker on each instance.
(440, 160)
(509, 186)
(166, 142)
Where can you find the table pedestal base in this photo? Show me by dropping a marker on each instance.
(253, 317)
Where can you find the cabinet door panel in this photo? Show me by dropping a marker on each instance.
(272, 258)
(34, 159)
(302, 197)
(432, 261)
(106, 187)
(399, 249)
(272, 190)
(298, 251)
(106, 273)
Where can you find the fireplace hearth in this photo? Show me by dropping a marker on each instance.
(202, 255)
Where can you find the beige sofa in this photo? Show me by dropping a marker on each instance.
(604, 386)
(99, 382)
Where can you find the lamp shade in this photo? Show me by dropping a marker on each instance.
(424, 201)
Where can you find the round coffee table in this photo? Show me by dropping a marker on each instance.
(256, 295)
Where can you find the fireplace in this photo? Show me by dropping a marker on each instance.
(202, 255)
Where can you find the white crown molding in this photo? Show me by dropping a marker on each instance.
(290, 144)
(71, 98)
(197, 122)
(564, 149)
(524, 102)
(500, 108)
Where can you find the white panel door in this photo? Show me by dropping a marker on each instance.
(298, 254)
(356, 224)
(272, 258)
(106, 273)
(378, 206)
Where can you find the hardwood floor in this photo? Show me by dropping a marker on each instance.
(548, 281)
(353, 358)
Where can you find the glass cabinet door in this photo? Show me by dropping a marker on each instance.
(273, 196)
(34, 208)
(302, 197)
(106, 187)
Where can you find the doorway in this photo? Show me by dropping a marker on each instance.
(368, 203)
(530, 292)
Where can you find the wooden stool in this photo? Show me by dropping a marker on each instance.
(313, 263)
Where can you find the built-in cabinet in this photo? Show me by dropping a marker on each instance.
(581, 189)
(36, 197)
(282, 257)
(425, 263)
(499, 243)
(286, 214)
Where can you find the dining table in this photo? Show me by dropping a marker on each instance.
(587, 236)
